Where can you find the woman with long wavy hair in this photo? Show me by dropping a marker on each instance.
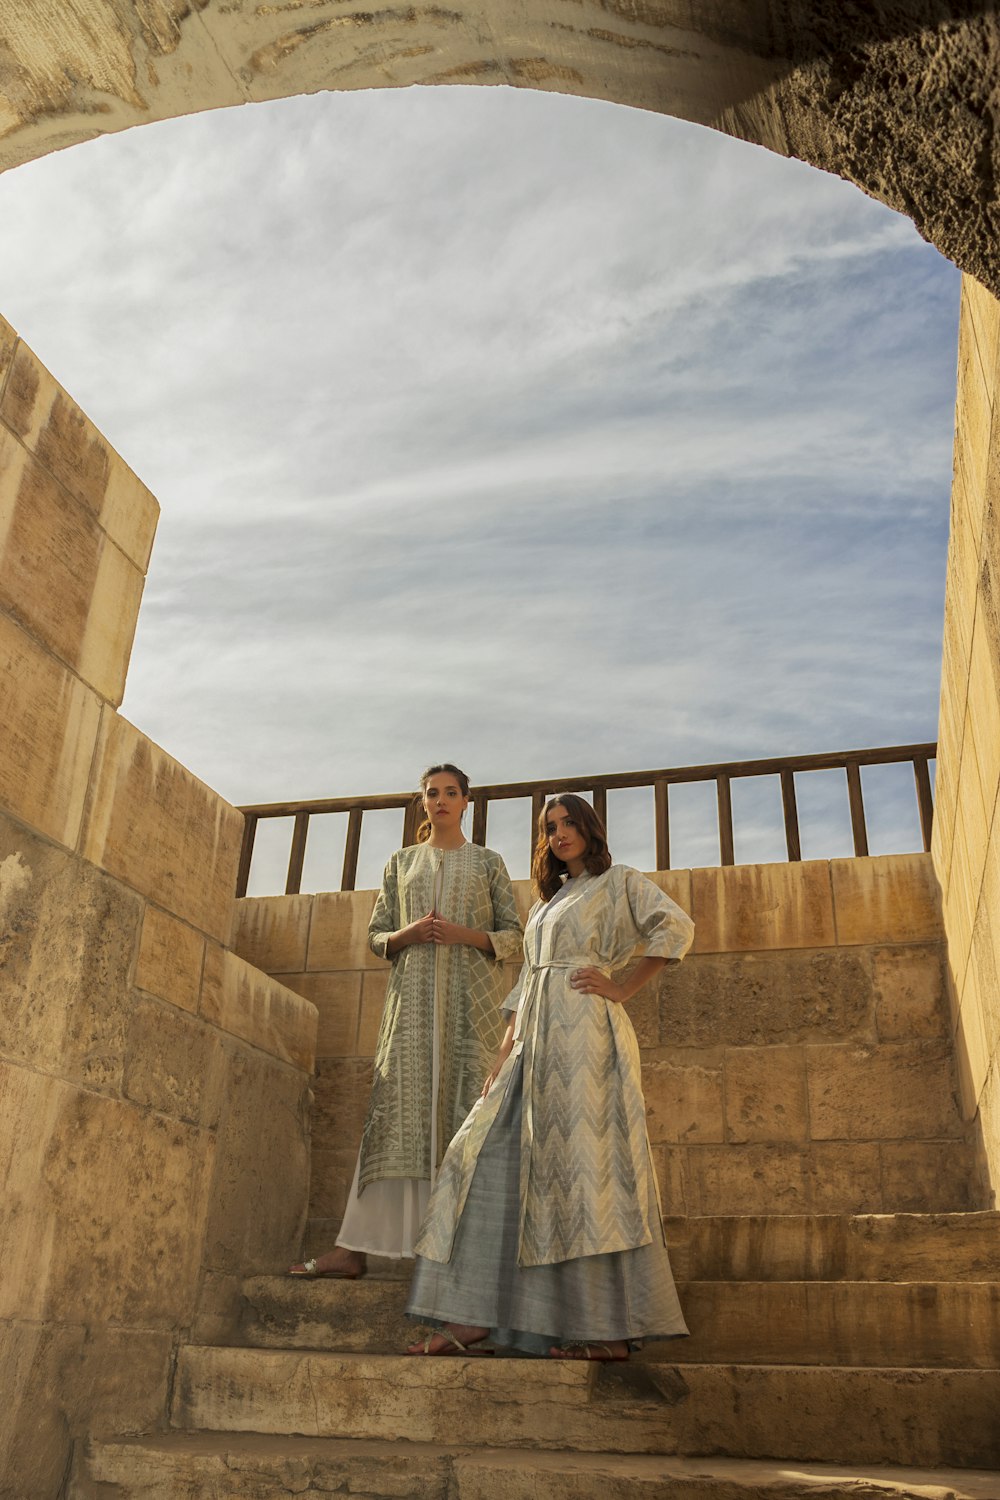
(445, 919)
(543, 1230)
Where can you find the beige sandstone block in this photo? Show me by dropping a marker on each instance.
(524, 898)
(337, 998)
(338, 937)
(64, 1383)
(49, 723)
(330, 1181)
(986, 943)
(891, 899)
(743, 907)
(910, 998)
(66, 443)
(676, 884)
(898, 1090)
(8, 342)
(984, 718)
(372, 1005)
(683, 1102)
(61, 576)
(220, 1309)
(174, 1063)
(962, 569)
(671, 1165)
(972, 1053)
(959, 911)
(105, 1206)
(272, 932)
(161, 830)
(787, 995)
(989, 1121)
(980, 314)
(971, 809)
(751, 1179)
(765, 1094)
(171, 957)
(261, 1179)
(342, 1087)
(973, 408)
(929, 1177)
(107, 640)
(68, 937)
(845, 1178)
(250, 1004)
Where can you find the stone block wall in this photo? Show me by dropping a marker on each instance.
(138, 1054)
(799, 1060)
(966, 842)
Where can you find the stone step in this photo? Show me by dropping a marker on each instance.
(837, 1247)
(821, 1247)
(217, 1466)
(742, 1322)
(921, 1417)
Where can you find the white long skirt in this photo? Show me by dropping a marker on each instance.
(385, 1219)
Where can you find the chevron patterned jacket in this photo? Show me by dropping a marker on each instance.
(441, 1023)
(584, 1147)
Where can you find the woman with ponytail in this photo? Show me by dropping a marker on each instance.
(445, 919)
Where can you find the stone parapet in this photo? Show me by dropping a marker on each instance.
(799, 1060)
(138, 1055)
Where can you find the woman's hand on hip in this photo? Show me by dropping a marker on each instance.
(592, 981)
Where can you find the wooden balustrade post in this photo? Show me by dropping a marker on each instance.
(600, 795)
(297, 857)
(858, 828)
(727, 850)
(351, 849)
(410, 816)
(925, 801)
(246, 853)
(791, 813)
(480, 804)
(537, 803)
(661, 814)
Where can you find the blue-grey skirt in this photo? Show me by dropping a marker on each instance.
(629, 1294)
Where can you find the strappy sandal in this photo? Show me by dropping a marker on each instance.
(308, 1270)
(452, 1349)
(601, 1354)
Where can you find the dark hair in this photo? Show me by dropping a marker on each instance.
(546, 870)
(424, 831)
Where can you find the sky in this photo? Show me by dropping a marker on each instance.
(528, 432)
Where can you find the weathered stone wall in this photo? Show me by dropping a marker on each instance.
(799, 1060)
(966, 843)
(900, 99)
(138, 1055)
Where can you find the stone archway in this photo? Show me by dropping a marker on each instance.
(117, 867)
(899, 99)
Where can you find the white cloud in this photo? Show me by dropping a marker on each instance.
(532, 431)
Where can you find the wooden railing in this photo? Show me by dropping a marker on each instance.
(723, 774)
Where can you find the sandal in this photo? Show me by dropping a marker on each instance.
(452, 1349)
(595, 1353)
(309, 1271)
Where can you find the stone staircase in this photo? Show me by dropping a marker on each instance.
(831, 1355)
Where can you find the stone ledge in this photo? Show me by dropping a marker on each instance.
(215, 1466)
